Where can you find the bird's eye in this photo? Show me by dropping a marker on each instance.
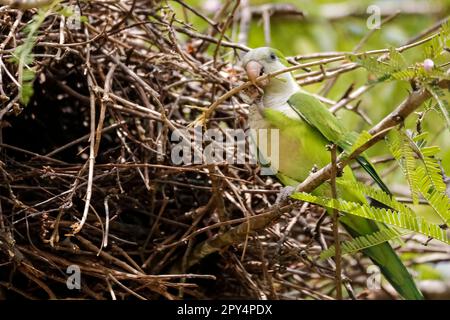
(273, 56)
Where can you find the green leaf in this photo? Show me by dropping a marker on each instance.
(371, 64)
(84, 19)
(377, 195)
(443, 106)
(432, 49)
(363, 242)
(433, 172)
(396, 60)
(394, 68)
(435, 46)
(27, 91)
(23, 55)
(399, 145)
(431, 166)
(404, 75)
(388, 216)
(66, 11)
(438, 200)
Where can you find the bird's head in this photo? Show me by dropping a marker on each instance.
(263, 60)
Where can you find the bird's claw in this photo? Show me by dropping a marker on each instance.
(285, 193)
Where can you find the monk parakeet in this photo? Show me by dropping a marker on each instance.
(305, 127)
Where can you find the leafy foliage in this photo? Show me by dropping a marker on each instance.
(377, 195)
(442, 104)
(390, 67)
(425, 177)
(23, 54)
(402, 152)
(424, 174)
(437, 44)
(393, 66)
(396, 218)
(363, 242)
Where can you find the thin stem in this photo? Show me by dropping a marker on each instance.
(337, 243)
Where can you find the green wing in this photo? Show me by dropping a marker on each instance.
(318, 116)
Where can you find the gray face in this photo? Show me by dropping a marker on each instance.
(262, 54)
(260, 61)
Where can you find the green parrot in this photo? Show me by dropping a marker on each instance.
(305, 127)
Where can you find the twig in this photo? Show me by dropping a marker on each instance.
(77, 228)
(337, 242)
(224, 29)
(245, 18)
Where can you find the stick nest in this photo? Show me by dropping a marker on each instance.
(95, 139)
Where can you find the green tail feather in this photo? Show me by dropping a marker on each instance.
(384, 257)
(368, 167)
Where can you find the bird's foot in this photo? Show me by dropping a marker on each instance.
(285, 193)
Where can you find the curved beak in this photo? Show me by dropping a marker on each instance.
(253, 70)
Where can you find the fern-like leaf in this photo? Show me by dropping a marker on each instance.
(396, 218)
(23, 54)
(443, 106)
(404, 75)
(432, 168)
(396, 60)
(380, 69)
(436, 45)
(399, 144)
(363, 242)
(377, 195)
(437, 200)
